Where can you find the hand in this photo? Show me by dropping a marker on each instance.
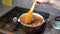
(44, 2)
(41, 2)
(55, 3)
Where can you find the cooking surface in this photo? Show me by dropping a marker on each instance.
(7, 22)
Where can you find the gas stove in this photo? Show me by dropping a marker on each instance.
(7, 23)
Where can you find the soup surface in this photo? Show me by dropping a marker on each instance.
(36, 20)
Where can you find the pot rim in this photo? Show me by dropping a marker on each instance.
(31, 25)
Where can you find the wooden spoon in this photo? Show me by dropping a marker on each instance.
(28, 16)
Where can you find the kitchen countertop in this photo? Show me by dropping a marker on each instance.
(48, 30)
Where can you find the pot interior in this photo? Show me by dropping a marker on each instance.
(29, 25)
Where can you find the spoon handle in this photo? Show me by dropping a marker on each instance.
(33, 6)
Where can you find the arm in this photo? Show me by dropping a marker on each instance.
(55, 3)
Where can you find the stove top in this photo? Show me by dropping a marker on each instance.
(7, 23)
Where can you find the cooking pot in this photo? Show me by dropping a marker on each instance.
(56, 23)
(33, 29)
(30, 24)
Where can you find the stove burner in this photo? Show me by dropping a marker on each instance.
(11, 17)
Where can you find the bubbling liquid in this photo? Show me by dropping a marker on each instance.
(36, 20)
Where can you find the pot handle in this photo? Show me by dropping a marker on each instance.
(57, 18)
(15, 19)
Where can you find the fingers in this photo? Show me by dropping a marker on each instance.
(42, 1)
(38, 2)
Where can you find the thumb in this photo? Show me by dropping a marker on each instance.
(42, 1)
